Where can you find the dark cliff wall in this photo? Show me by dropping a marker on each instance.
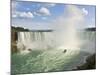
(90, 29)
(90, 63)
(14, 38)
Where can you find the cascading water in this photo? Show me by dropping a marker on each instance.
(88, 38)
(51, 51)
(51, 59)
(34, 40)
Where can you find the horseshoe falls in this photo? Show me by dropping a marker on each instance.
(34, 40)
(62, 48)
(40, 52)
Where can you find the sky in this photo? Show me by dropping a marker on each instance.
(39, 15)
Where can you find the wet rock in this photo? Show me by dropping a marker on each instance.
(14, 38)
(90, 63)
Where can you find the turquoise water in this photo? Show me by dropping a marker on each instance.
(38, 61)
(52, 60)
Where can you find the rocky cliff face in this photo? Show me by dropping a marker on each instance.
(90, 63)
(14, 38)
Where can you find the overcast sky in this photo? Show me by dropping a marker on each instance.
(35, 15)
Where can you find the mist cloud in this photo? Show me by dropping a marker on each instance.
(66, 27)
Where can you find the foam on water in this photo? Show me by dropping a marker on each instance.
(47, 48)
(48, 60)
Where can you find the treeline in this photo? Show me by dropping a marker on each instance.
(91, 29)
(18, 29)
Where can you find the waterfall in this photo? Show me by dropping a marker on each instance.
(88, 38)
(34, 40)
(64, 36)
(53, 58)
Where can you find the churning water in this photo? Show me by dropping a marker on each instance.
(45, 56)
(60, 50)
(34, 40)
